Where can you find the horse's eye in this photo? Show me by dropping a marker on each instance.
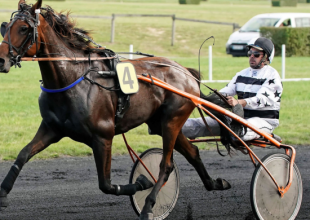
(23, 29)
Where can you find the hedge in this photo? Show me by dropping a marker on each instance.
(296, 40)
(284, 3)
(196, 2)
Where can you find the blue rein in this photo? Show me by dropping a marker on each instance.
(63, 89)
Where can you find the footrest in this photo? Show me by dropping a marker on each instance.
(278, 138)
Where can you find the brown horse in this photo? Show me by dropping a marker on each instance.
(86, 112)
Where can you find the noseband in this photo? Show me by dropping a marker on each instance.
(24, 15)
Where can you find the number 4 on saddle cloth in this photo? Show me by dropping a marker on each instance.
(127, 78)
(129, 84)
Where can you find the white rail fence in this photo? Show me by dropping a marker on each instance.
(172, 16)
(173, 27)
(210, 80)
(282, 70)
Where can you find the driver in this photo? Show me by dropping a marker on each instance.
(259, 90)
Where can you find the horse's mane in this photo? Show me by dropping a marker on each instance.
(64, 27)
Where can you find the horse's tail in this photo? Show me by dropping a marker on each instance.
(212, 97)
(195, 74)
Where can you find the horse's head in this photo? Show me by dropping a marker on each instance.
(20, 35)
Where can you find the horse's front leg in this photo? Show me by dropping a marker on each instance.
(43, 138)
(102, 153)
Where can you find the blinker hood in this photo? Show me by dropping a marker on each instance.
(3, 28)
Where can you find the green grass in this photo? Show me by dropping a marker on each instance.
(19, 113)
(154, 34)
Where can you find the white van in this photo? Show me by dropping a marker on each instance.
(239, 39)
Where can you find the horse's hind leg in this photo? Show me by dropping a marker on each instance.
(43, 138)
(191, 153)
(170, 129)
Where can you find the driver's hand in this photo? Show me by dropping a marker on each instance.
(232, 101)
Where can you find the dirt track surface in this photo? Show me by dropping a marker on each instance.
(67, 188)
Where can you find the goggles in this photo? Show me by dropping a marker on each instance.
(255, 53)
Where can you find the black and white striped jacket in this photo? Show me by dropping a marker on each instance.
(261, 89)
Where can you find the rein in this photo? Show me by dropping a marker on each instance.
(66, 58)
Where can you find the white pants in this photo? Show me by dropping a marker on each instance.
(195, 127)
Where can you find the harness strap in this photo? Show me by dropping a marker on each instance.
(151, 78)
(9, 38)
(104, 87)
(18, 50)
(87, 37)
(63, 89)
(12, 46)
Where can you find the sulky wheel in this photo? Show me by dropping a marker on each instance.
(167, 196)
(266, 201)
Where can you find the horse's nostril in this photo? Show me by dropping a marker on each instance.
(2, 61)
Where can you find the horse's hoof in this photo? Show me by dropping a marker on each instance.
(144, 182)
(222, 184)
(146, 216)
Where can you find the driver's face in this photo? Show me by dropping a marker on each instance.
(255, 57)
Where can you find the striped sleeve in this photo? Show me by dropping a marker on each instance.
(230, 88)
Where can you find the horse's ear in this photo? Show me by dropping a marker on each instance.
(21, 2)
(36, 6)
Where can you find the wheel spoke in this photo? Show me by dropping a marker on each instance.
(168, 194)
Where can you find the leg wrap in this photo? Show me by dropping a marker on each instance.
(129, 189)
(3, 199)
(141, 183)
(10, 178)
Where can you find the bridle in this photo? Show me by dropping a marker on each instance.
(22, 14)
(25, 15)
